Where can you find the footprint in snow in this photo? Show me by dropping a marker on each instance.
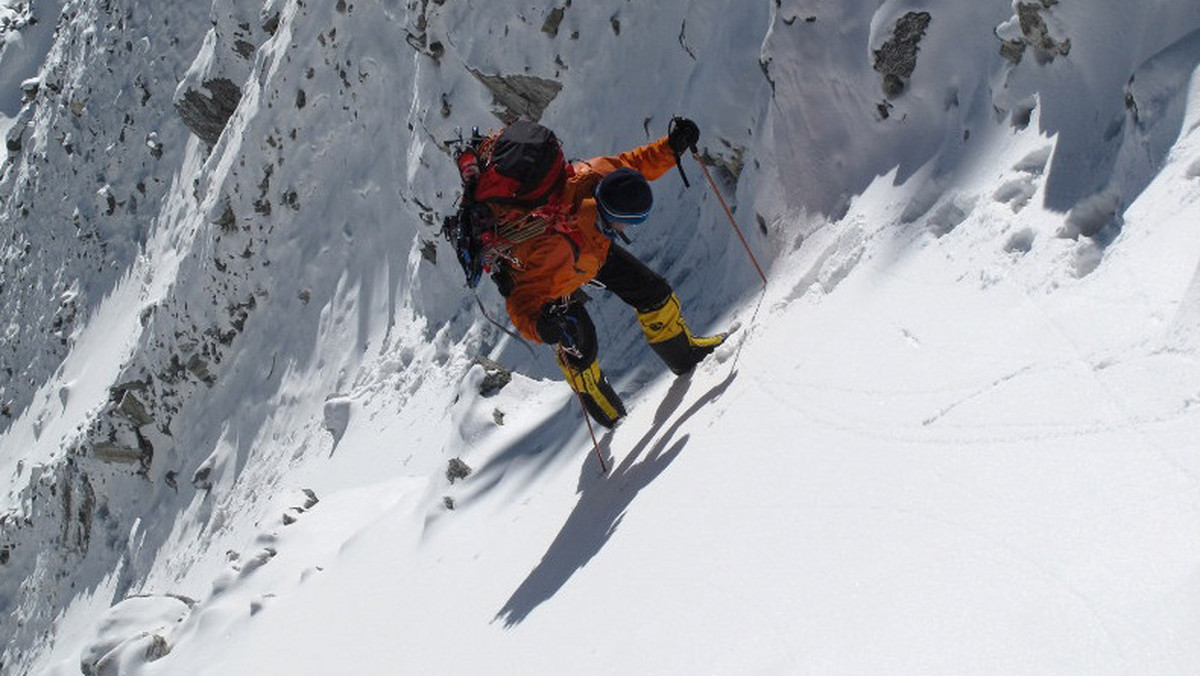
(949, 216)
(1035, 162)
(734, 339)
(260, 559)
(1020, 242)
(1193, 171)
(1016, 193)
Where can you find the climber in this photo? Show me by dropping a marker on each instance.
(582, 209)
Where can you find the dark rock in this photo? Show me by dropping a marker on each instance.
(310, 498)
(272, 24)
(116, 453)
(202, 479)
(553, 20)
(1037, 34)
(206, 112)
(457, 469)
(495, 380)
(519, 95)
(158, 648)
(117, 392)
(198, 367)
(244, 49)
(1034, 33)
(429, 251)
(132, 408)
(1013, 50)
(893, 86)
(897, 58)
(227, 222)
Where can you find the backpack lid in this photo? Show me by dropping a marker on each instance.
(525, 166)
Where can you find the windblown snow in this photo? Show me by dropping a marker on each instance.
(252, 421)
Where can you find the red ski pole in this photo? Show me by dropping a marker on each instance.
(595, 444)
(729, 214)
(586, 418)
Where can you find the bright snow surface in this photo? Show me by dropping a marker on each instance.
(956, 433)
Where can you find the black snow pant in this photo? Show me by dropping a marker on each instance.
(628, 278)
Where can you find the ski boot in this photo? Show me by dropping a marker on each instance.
(672, 340)
(599, 398)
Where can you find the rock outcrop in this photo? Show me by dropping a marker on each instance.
(519, 95)
(206, 109)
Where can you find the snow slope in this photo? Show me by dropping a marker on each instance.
(956, 432)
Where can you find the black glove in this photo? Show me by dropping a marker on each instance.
(682, 134)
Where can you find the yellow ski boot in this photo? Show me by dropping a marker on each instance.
(672, 340)
(599, 398)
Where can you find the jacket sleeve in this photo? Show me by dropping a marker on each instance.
(652, 160)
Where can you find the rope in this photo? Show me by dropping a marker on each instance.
(502, 327)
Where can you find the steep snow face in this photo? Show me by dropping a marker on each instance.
(970, 379)
(86, 167)
(203, 294)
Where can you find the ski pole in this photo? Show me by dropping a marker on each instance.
(562, 358)
(729, 213)
(592, 431)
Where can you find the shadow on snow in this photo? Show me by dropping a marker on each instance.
(603, 502)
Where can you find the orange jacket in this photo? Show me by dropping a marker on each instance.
(557, 262)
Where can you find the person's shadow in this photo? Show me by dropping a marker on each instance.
(603, 503)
